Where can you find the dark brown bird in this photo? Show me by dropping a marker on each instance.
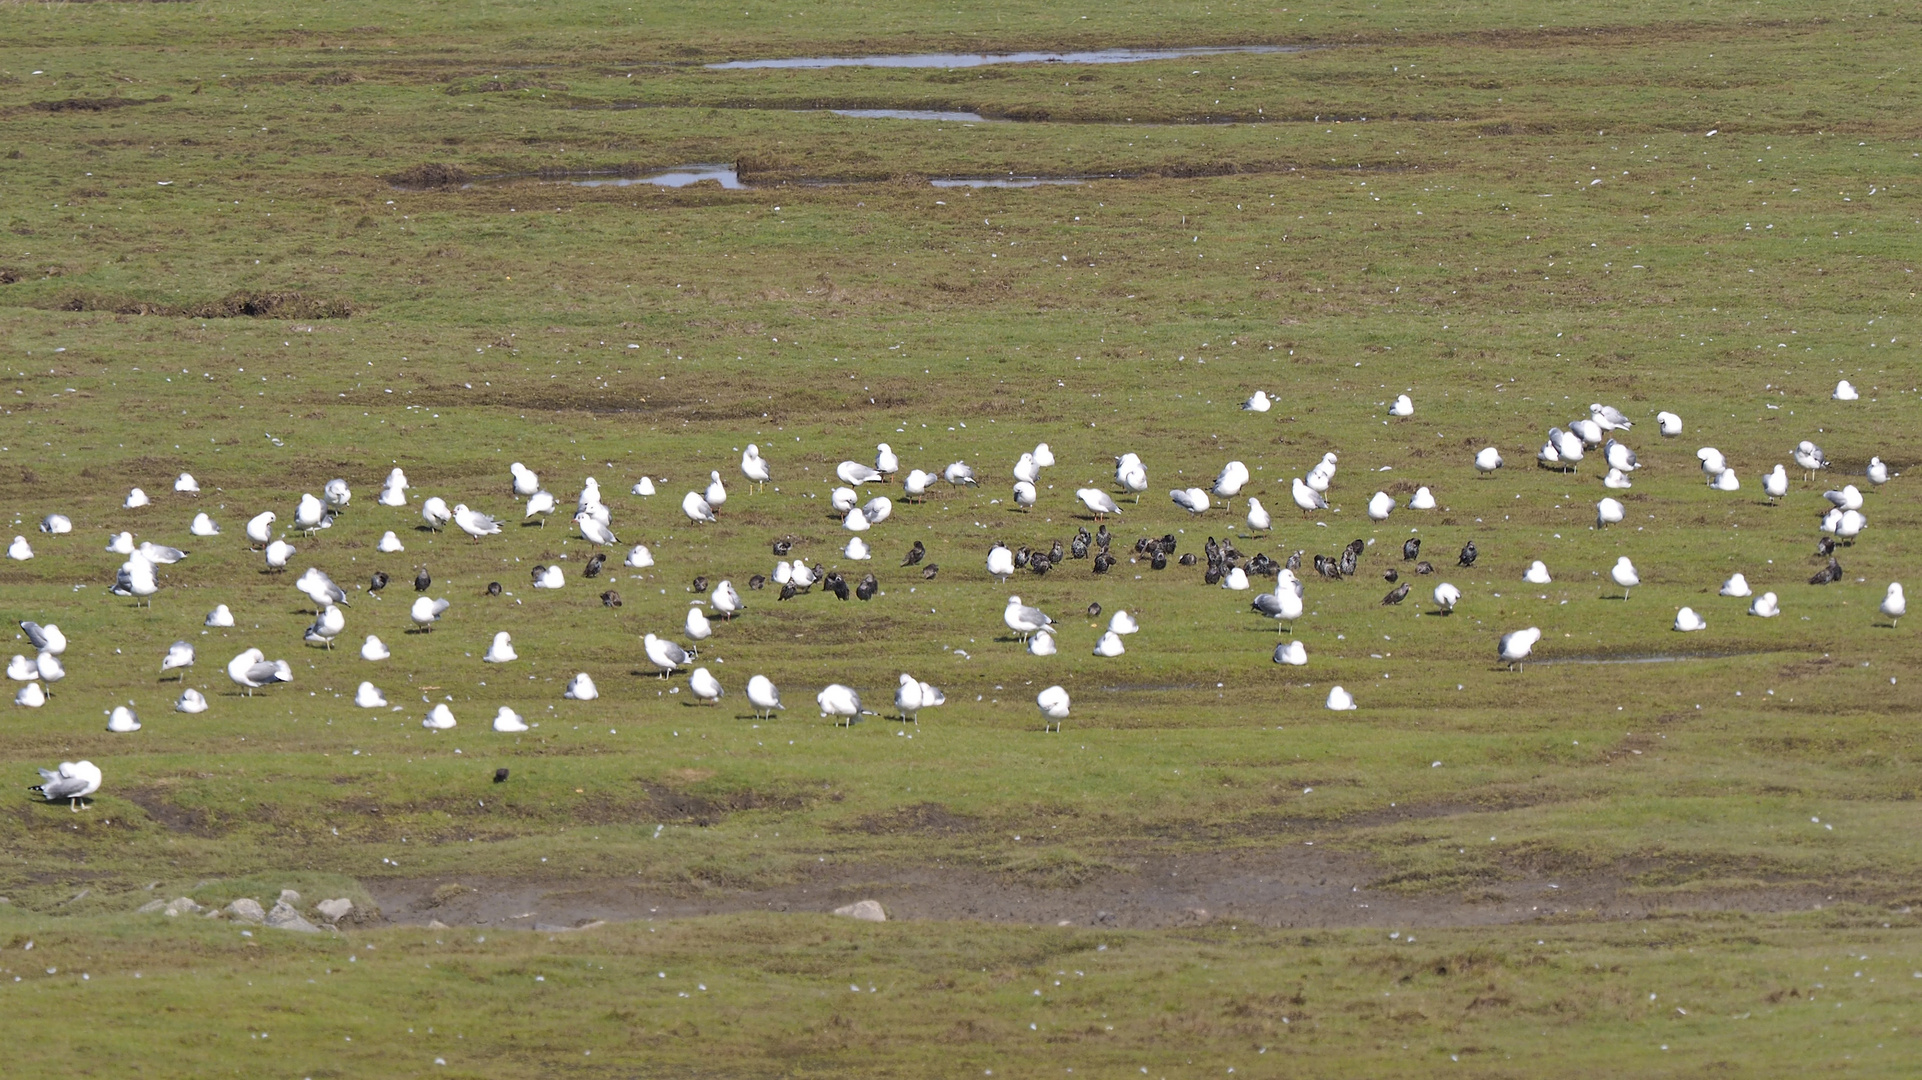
(610, 598)
(1159, 561)
(1040, 563)
(493, 588)
(1187, 559)
(928, 571)
(1424, 567)
(1055, 553)
(1467, 557)
(700, 584)
(593, 567)
(783, 545)
(1293, 562)
(915, 554)
(867, 588)
(1825, 546)
(1021, 556)
(1102, 539)
(1411, 549)
(1828, 574)
(379, 582)
(1391, 576)
(837, 585)
(1399, 594)
(500, 776)
(1214, 574)
(1094, 611)
(1351, 557)
(757, 582)
(1078, 547)
(1102, 562)
(539, 569)
(422, 580)
(789, 592)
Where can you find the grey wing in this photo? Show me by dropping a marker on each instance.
(62, 787)
(35, 634)
(677, 654)
(264, 672)
(1267, 604)
(441, 606)
(1035, 615)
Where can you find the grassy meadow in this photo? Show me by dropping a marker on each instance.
(271, 245)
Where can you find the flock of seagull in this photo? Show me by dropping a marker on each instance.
(1599, 434)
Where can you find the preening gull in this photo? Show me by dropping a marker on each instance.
(1228, 483)
(1537, 573)
(1026, 469)
(507, 720)
(1193, 500)
(180, 657)
(47, 639)
(843, 499)
(663, 654)
(136, 499)
(220, 617)
(502, 650)
(439, 718)
(716, 491)
(1736, 585)
(914, 486)
(1446, 597)
(581, 688)
(1894, 604)
(1044, 457)
(1098, 502)
(854, 474)
(1623, 574)
(310, 513)
(1590, 432)
(191, 701)
(56, 524)
(31, 696)
(185, 484)
(1845, 391)
(123, 720)
(337, 493)
(1307, 497)
(1765, 606)
(252, 669)
(370, 697)
(1258, 402)
(1669, 423)
(1053, 703)
(639, 557)
(474, 523)
(704, 686)
(121, 543)
(426, 612)
(260, 527)
(1848, 498)
(50, 669)
(1776, 484)
(696, 508)
(1609, 417)
(1122, 622)
(72, 781)
(1619, 456)
(1810, 457)
(1617, 480)
(959, 474)
(1293, 653)
(1340, 700)
(1516, 645)
(1423, 499)
(540, 504)
(1878, 471)
(435, 513)
(526, 480)
(389, 543)
(726, 601)
(840, 701)
(320, 588)
(1110, 645)
(857, 550)
(374, 649)
(1403, 406)
(1022, 619)
(1488, 460)
(878, 509)
(764, 696)
(911, 696)
(204, 525)
(698, 626)
(1042, 643)
(1380, 505)
(643, 487)
(1609, 512)
(1024, 494)
(1687, 620)
(1001, 561)
(1131, 474)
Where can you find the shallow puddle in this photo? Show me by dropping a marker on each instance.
(911, 114)
(682, 177)
(961, 60)
(1656, 658)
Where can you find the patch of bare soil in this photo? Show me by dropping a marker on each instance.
(1302, 886)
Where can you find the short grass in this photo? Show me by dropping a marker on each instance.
(1507, 211)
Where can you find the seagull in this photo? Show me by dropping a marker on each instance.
(698, 628)
(220, 617)
(1193, 500)
(1776, 484)
(191, 701)
(1259, 520)
(1851, 525)
(1446, 597)
(1022, 619)
(705, 687)
(1515, 646)
(1569, 447)
(120, 544)
(1053, 703)
(1619, 456)
(1293, 653)
(727, 602)
(1044, 457)
(1423, 499)
(509, 721)
(541, 503)
(159, 554)
(595, 531)
(1686, 620)
(56, 524)
(1669, 423)
(1878, 472)
(309, 514)
(581, 688)
(328, 625)
(838, 700)
(549, 577)
(396, 480)
(50, 669)
(1235, 580)
(1380, 505)
(856, 521)
(1590, 432)
(644, 486)
(374, 649)
(1403, 406)
(908, 699)
(203, 525)
(1895, 605)
(260, 527)
(435, 513)
(501, 651)
(136, 579)
(1845, 391)
(252, 670)
(1024, 494)
(337, 493)
(185, 484)
(843, 499)
(1228, 483)
(1810, 457)
(1609, 512)
(885, 460)
(1488, 460)
(474, 523)
(526, 480)
(1259, 401)
(1026, 469)
(1549, 457)
(393, 496)
(1616, 480)
(914, 486)
(1537, 573)
(1609, 417)
(369, 697)
(1284, 604)
(136, 499)
(426, 612)
(320, 589)
(1000, 561)
(1307, 497)
(754, 466)
(697, 508)
(1131, 474)
(1623, 574)
(1848, 498)
(1340, 700)
(123, 720)
(1728, 481)
(1042, 643)
(590, 494)
(854, 474)
(762, 694)
(878, 509)
(663, 654)
(21, 669)
(439, 718)
(1109, 645)
(47, 639)
(1765, 606)
(716, 491)
(179, 655)
(959, 474)
(1736, 585)
(73, 781)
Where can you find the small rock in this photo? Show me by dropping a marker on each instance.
(247, 909)
(285, 917)
(864, 910)
(150, 907)
(290, 898)
(436, 924)
(335, 910)
(182, 906)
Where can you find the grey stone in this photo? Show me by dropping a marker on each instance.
(290, 898)
(150, 907)
(181, 906)
(284, 917)
(335, 910)
(864, 910)
(246, 909)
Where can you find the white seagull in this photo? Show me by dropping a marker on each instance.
(1894, 604)
(1845, 391)
(374, 649)
(698, 628)
(1403, 406)
(1228, 483)
(1765, 606)
(1537, 573)
(1488, 460)
(159, 554)
(1042, 643)
(716, 491)
(1110, 645)
(697, 508)
(639, 557)
(1623, 574)
(260, 527)
(594, 531)
(1053, 703)
(185, 484)
(540, 504)
(253, 670)
(1307, 497)
(1123, 622)
(1726, 480)
(1423, 499)
(50, 669)
(1687, 620)
(1736, 585)
(526, 480)
(1131, 474)
(337, 493)
(320, 588)
(643, 487)
(1259, 401)
(1259, 520)
(857, 549)
(501, 651)
(1810, 457)
(914, 486)
(136, 579)
(120, 543)
(47, 639)
(1446, 597)
(549, 577)
(389, 543)
(1292, 653)
(1669, 423)
(854, 474)
(20, 549)
(754, 466)
(1026, 469)
(959, 474)
(190, 701)
(1776, 484)
(581, 688)
(726, 601)
(1284, 604)
(73, 781)
(663, 654)
(886, 462)
(439, 718)
(427, 611)
(56, 524)
(474, 523)
(1022, 619)
(136, 499)
(509, 721)
(310, 513)
(1617, 480)
(705, 687)
(764, 696)
(220, 617)
(180, 656)
(1516, 645)
(435, 513)
(841, 701)
(1001, 561)
(1878, 472)
(1024, 494)
(1609, 417)
(203, 525)
(1380, 505)
(123, 720)
(878, 509)
(369, 697)
(1193, 500)
(1609, 512)
(1340, 700)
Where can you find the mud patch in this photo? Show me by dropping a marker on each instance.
(244, 304)
(429, 175)
(921, 818)
(95, 104)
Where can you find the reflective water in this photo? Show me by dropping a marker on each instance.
(911, 114)
(961, 60)
(682, 177)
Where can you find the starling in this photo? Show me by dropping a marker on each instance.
(1294, 561)
(1142, 545)
(1054, 552)
(1102, 562)
(1168, 544)
(1468, 554)
(1830, 573)
(1040, 563)
(1411, 549)
(1399, 594)
(757, 582)
(928, 571)
(1424, 567)
(1094, 611)
(422, 580)
(837, 585)
(1101, 537)
(1350, 556)
(789, 592)
(700, 584)
(500, 776)
(1078, 547)
(1021, 556)
(1159, 561)
(1825, 546)
(493, 588)
(1327, 567)
(1214, 574)
(593, 567)
(783, 545)
(379, 582)
(1187, 559)
(915, 554)
(867, 588)
(610, 598)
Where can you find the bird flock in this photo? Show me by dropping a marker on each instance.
(1602, 434)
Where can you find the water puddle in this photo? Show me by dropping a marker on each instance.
(964, 60)
(912, 114)
(1655, 658)
(1003, 181)
(725, 175)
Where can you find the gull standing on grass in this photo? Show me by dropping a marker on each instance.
(509, 721)
(1259, 520)
(696, 508)
(47, 639)
(474, 523)
(310, 515)
(1488, 460)
(1193, 500)
(260, 527)
(663, 654)
(20, 549)
(374, 649)
(370, 697)
(594, 531)
(704, 686)
(754, 467)
(1022, 619)
(501, 651)
(1228, 483)
(427, 611)
(1053, 703)
(1895, 605)
(1131, 474)
(252, 669)
(526, 480)
(328, 625)
(764, 696)
(1516, 645)
(1623, 574)
(72, 781)
(841, 701)
(435, 513)
(541, 504)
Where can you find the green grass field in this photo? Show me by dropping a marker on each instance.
(229, 251)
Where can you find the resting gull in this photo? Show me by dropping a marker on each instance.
(253, 670)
